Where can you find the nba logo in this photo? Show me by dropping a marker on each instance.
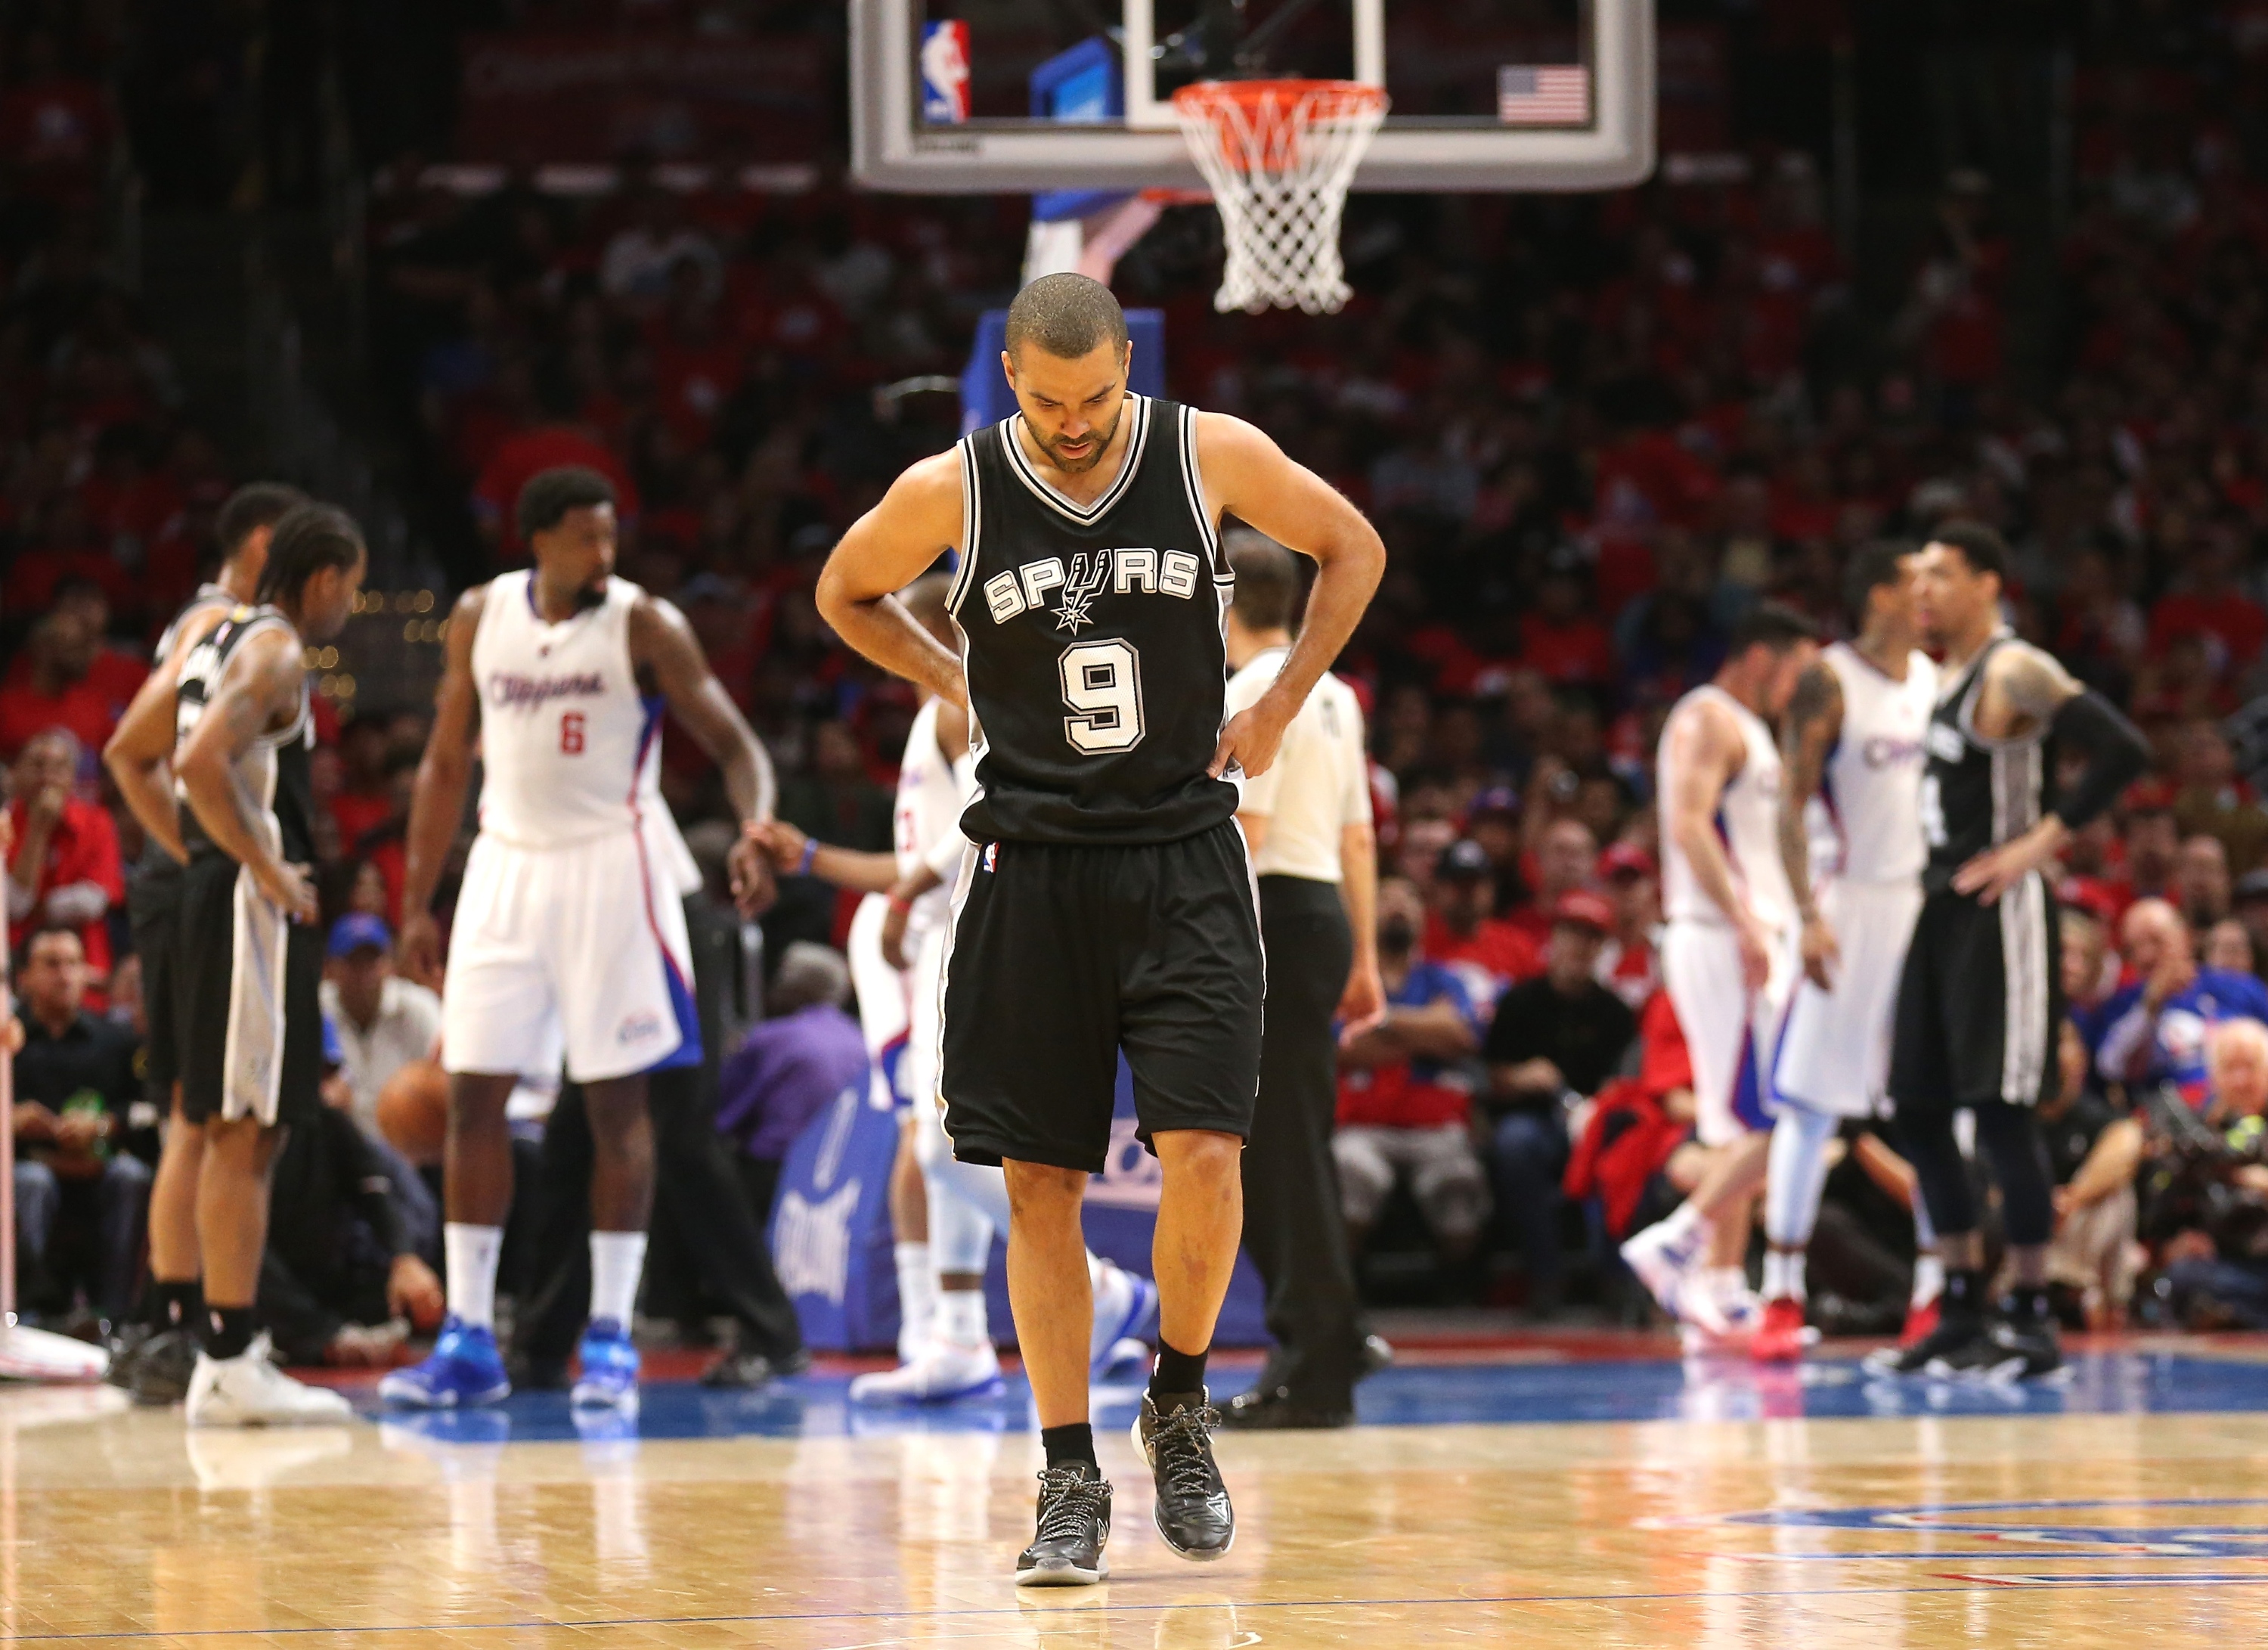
(991, 855)
(944, 73)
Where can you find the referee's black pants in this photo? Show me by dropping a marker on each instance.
(1294, 1228)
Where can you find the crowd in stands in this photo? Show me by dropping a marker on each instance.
(1593, 432)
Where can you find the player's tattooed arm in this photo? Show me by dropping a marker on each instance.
(139, 755)
(1244, 474)
(1806, 733)
(437, 802)
(2024, 688)
(886, 550)
(663, 643)
(257, 693)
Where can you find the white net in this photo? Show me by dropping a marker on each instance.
(1279, 155)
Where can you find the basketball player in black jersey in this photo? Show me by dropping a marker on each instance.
(139, 757)
(1980, 997)
(251, 1023)
(1108, 903)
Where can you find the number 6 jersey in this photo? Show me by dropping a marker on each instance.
(1091, 637)
(565, 737)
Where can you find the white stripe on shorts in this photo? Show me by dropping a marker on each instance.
(253, 1071)
(2024, 971)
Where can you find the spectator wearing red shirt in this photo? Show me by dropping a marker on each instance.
(1628, 964)
(1562, 642)
(1564, 856)
(115, 673)
(1406, 1090)
(2209, 603)
(58, 689)
(365, 799)
(1485, 952)
(65, 868)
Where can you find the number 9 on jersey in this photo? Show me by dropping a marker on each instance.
(1102, 687)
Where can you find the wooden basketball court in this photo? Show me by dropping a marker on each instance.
(1591, 1492)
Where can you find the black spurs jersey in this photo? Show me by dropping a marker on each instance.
(1978, 793)
(274, 767)
(1093, 642)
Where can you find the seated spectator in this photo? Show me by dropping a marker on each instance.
(78, 1192)
(791, 1067)
(2094, 1150)
(2211, 799)
(1630, 962)
(58, 688)
(1636, 1153)
(2155, 1030)
(65, 868)
(2152, 840)
(383, 1021)
(2250, 909)
(341, 1281)
(1405, 1105)
(2217, 1277)
(2201, 881)
(1566, 852)
(1485, 952)
(1554, 1041)
(2229, 945)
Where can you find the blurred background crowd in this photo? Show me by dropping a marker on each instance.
(2005, 262)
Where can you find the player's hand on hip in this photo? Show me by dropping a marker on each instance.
(1994, 871)
(1362, 1006)
(1250, 740)
(1755, 953)
(1823, 954)
(750, 869)
(292, 889)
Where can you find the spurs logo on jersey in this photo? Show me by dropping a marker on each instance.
(1123, 571)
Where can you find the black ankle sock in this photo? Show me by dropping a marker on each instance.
(1178, 1374)
(1067, 1444)
(2028, 1303)
(229, 1330)
(176, 1305)
(1965, 1293)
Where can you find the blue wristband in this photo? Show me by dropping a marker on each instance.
(810, 853)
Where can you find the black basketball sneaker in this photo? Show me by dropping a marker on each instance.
(163, 1368)
(1074, 1525)
(1191, 1510)
(2021, 1346)
(1957, 1341)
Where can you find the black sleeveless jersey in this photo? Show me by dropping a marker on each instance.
(1091, 635)
(274, 767)
(156, 862)
(1978, 793)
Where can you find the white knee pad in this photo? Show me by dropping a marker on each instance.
(1796, 1176)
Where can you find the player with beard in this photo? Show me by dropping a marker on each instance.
(1981, 994)
(569, 925)
(1107, 903)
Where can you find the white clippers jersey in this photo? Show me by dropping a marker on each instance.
(569, 747)
(1747, 815)
(930, 798)
(1870, 790)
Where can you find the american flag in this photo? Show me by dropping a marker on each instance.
(1555, 96)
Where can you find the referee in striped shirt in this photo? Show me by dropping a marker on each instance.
(1309, 824)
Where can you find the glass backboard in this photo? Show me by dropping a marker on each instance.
(970, 96)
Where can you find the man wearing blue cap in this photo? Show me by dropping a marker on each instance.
(384, 1022)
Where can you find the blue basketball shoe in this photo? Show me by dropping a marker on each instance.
(610, 1368)
(463, 1370)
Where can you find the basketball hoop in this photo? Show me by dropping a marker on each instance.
(1279, 156)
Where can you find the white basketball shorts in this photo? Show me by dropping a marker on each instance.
(1730, 1031)
(1835, 1054)
(584, 944)
(883, 1008)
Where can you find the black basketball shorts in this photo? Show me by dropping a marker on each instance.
(153, 910)
(249, 1011)
(1979, 1002)
(1060, 956)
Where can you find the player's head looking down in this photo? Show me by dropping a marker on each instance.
(248, 520)
(566, 518)
(1067, 356)
(1957, 581)
(1878, 586)
(1770, 647)
(314, 571)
